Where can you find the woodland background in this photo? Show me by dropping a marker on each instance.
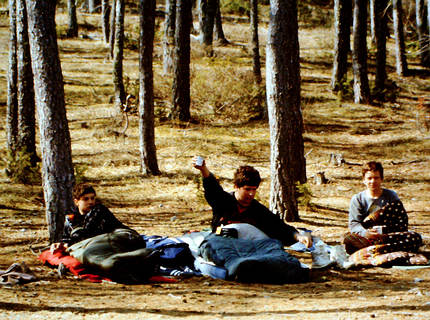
(228, 131)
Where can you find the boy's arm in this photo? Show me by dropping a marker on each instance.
(213, 190)
(276, 228)
(356, 217)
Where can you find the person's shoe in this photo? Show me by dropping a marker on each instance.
(320, 257)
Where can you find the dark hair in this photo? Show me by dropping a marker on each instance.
(82, 189)
(246, 176)
(373, 166)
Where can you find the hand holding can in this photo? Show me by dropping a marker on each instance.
(199, 161)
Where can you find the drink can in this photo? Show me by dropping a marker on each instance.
(199, 161)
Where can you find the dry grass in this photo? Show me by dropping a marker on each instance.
(221, 93)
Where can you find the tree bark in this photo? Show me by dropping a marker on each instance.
(256, 66)
(12, 75)
(93, 5)
(423, 33)
(72, 30)
(372, 18)
(342, 33)
(112, 27)
(181, 62)
(287, 161)
(118, 55)
(148, 154)
(401, 62)
(169, 36)
(359, 53)
(105, 20)
(219, 32)
(381, 31)
(428, 20)
(26, 140)
(207, 9)
(57, 167)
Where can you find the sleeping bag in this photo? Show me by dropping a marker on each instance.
(260, 261)
(120, 255)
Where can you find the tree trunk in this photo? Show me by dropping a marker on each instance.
(181, 62)
(57, 167)
(287, 161)
(342, 33)
(219, 32)
(118, 55)
(112, 27)
(148, 154)
(105, 20)
(423, 33)
(93, 5)
(359, 53)
(428, 21)
(256, 67)
(12, 75)
(26, 140)
(373, 18)
(72, 30)
(401, 62)
(169, 36)
(381, 32)
(207, 9)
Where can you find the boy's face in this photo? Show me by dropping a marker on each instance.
(85, 203)
(373, 180)
(244, 195)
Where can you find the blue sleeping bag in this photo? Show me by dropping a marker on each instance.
(259, 261)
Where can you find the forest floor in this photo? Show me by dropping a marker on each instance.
(172, 203)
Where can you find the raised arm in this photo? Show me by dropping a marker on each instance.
(202, 167)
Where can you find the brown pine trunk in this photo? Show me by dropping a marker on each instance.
(118, 55)
(428, 18)
(57, 167)
(381, 32)
(105, 20)
(93, 5)
(256, 67)
(372, 18)
(401, 62)
(112, 27)
(342, 32)
(207, 10)
(359, 53)
(169, 36)
(218, 31)
(287, 162)
(72, 30)
(423, 33)
(181, 62)
(26, 140)
(12, 100)
(148, 154)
